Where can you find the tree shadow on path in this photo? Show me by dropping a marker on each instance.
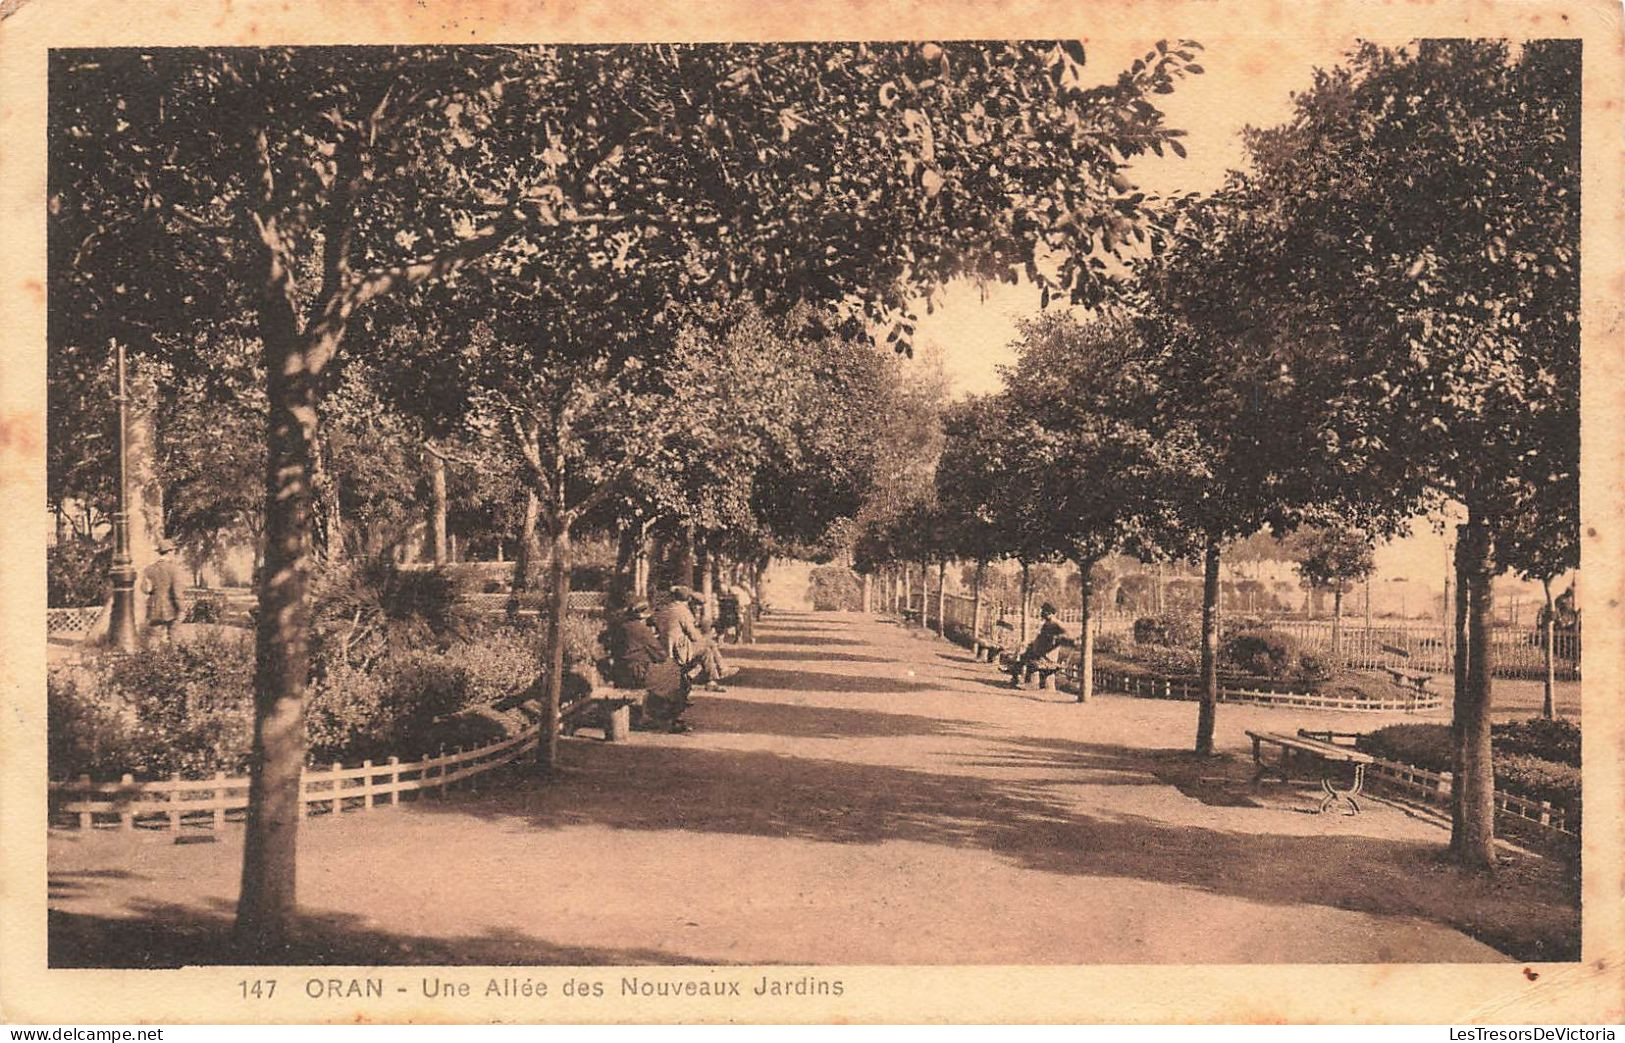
(168, 935)
(1525, 910)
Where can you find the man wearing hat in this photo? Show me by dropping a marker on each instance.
(680, 633)
(642, 661)
(162, 582)
(1044, 649)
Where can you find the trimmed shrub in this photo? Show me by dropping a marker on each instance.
(1537, 778)
(1109, 644)
(834, 588)
(185, 707)
(1170, 630)
(1424, 745)
(1556, 740)
(76, 573)
(1260, 653)
(500, 659)
(1430, 746)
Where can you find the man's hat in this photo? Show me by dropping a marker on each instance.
(165, 546)
(1046, 609)
(638, 608)
(686, 593)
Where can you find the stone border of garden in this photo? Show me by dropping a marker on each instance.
(1169, 688)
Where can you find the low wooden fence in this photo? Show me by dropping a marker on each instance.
(1537, 819)
(204, 803)
(1168, 688)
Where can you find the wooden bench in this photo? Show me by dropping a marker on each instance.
(1405, 678)
(606, 708)
(1327, 752)
(910, 615)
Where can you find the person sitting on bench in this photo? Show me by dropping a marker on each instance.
(642, 661)
(1042, 654)
(688, 644)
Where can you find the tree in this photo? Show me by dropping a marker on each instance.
(1331, 558)
(970, 485)
(1078, 393)
(1261, 398)
(1437, 189)
(230, 184)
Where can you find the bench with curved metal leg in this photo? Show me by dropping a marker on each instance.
(1324, 751)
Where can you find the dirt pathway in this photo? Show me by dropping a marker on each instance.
(861, 795)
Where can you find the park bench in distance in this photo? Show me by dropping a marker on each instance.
(1325, 751)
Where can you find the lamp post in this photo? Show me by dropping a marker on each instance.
(121, 628)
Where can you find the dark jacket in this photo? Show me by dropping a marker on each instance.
(638, 648)
(163, 583)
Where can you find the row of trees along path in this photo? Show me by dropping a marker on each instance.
(1377, 318)
(306, 195)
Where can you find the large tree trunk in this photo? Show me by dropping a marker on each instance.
(1472, 838)
(1548, 700)
(1207, 709)
(1086, 632)
(437, 506)
(266, 905)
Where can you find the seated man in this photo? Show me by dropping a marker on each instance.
(643, 661)
(1043, 652)
(689, 645)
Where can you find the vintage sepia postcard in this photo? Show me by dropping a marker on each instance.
(811, 512)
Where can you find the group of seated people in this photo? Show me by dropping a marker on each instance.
(663, 645)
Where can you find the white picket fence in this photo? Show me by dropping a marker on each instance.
(176, 802)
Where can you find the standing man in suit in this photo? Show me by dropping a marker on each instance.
(163, 582)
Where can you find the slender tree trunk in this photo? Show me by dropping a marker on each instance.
(1548, 701)
(1026, 596)
(1458, 667)
(690, 563)
(528, 548)
(1086, 632)
(1207, 711)
(1473, 834)
(547, 751)
(266, 904)
(437, 506)
(866, 603)
(1337, 622)
(942, 586)
(623, 581)
(976, 603)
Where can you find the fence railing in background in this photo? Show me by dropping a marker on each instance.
(203, 803)
(1518, 652)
